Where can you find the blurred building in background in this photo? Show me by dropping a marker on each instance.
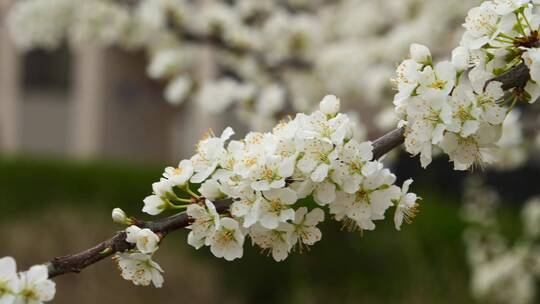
(91, 103)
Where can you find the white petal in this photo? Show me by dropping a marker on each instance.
(325, 193)
(132, 233)
(311, 235)
(320, 173)
(157, 278)
(287, 196)
(286, 215)
(314, 217)
(8, 267)
(469, 127)
(269, 221)
(210, 189)
(37, 273)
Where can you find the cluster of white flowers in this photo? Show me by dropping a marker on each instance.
(344, 39)
(43, 23)
(454, 105)
(276, 186)
(501, 272)
(31, 286)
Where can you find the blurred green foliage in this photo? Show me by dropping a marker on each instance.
(31, 185)
(424, 263)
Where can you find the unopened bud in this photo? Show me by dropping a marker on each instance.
(420, 53)
(120, 217)
(329, 105)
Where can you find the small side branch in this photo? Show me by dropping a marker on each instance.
(514, 78)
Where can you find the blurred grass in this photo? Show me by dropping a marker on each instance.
(424, 263)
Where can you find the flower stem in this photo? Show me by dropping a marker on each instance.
(526, 20)
(190, 192)
(520, 26)
(178, 207)
(183, 200)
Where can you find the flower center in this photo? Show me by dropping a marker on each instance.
(410, 213)
(438, 84)
(276, 206)
(362, 196)
(268, 174)
(177, 171)
(250, 161)
(29, 294)
(463, 114)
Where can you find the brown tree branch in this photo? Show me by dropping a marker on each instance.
(517, 77)
(77, 262)
(388, 142)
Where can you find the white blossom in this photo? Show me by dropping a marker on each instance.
(228, 241)
(248, 207)
(325, 193)
(476, 149)
(429, 119)
(9, 282)
(440, 79)
(406, 81)
(276, 241)
(318, 157)
(488, 101)
(531, 58)
(481, 24)
(210, 189)
(180, 175)
(369, 202)
(159, 201)
(271, 172)
(305, 230)
(353, 165)
(503, 7)
(154, 205)
(145, 239)
(406, 205)
(35, 286)
(276, 207)
(461, 58)
(206, 222)
(209, 153)
(140, 269)
(466, 114)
